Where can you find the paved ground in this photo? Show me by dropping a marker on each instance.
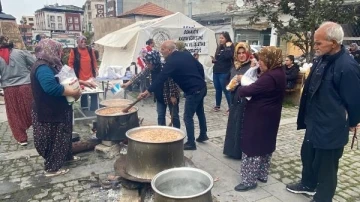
(21, 168)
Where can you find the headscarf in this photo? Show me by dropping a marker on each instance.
(4, 49)
(154, 58)
(246, 47)
(80, 38)
(49, 51)
(271, 56)
(356, 47)
(180, 46)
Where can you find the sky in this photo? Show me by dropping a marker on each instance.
(18, 8)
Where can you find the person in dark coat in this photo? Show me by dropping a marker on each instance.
(291, 70)
(242, 63)
(355, 52)
(223, 62)
(261, 118)
(329, 108)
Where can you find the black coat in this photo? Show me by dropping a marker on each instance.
(224, 60)
(291, 75)
(330, 101)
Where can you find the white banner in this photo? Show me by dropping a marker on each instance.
(195, 39)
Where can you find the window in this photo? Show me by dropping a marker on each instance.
(70, 20)
(60, 26)
(31, 19)
(76, 20)
(31, 24)
(77, 27)
(52, 18)
(59, 19)
(52, 25)
(70, 27)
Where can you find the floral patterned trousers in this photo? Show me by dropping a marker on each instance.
(253, 168)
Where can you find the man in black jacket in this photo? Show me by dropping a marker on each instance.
(329, 108)
(189, 74)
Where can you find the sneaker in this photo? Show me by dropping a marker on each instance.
(299, 188)
(23, 143)
(216, 109)
(189, 146)
(202, 138)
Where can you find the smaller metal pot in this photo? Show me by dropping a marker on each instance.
(182, 185)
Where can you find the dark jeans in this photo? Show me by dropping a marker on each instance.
(320, 169)
(161, 110)
(220, 82)
(85, 102)
(194, 103)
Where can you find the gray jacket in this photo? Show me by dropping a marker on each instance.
(18, 71)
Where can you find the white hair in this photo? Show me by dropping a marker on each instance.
(333, 31)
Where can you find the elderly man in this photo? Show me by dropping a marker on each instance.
(188, 73)
(83, 60)
(329, 108)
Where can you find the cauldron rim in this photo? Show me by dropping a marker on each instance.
(116, 115)
(154, 127)
(182, 169)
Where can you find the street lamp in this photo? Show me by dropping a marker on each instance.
(23, 22)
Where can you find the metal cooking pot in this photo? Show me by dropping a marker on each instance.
(114, 127)
(115, 103)
(182, 185)
(144, 159)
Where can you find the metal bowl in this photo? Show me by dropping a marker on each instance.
(146, 159)
(182, 184)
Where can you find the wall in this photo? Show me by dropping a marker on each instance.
(59, 24)
(172, 5)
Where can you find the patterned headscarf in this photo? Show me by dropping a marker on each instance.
(4, 42)
(271, 56)
(245, 46)
(80, 38)
(49, 51)
(154, 58)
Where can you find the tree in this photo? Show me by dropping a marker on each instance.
(89, 37)
(305, 17)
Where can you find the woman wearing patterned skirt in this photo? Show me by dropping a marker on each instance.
(52, 115)
(15, 68)
(261, 118)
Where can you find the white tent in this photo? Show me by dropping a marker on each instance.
(123, 46)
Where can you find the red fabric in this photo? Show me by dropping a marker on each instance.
(148, 48)
(18, 101)
(141, 63)
(5, 54)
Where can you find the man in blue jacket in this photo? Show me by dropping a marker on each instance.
(189, 74)
(329, 109)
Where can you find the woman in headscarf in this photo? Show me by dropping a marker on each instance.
(242, 58)
(354, 51)
(261, 118)
(15, 67)
(52, 115)
(166, 97)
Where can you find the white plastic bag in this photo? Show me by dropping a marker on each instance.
(67, 77)
(250, 76)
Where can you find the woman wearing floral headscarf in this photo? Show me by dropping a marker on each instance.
(168, 96)
(261, 118)
(52, 115)
(15, 67)
(242, 63)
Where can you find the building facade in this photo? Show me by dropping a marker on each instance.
(57, 18)
(30, 20)
(92, 9)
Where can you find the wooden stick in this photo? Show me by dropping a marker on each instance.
(126, 110)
